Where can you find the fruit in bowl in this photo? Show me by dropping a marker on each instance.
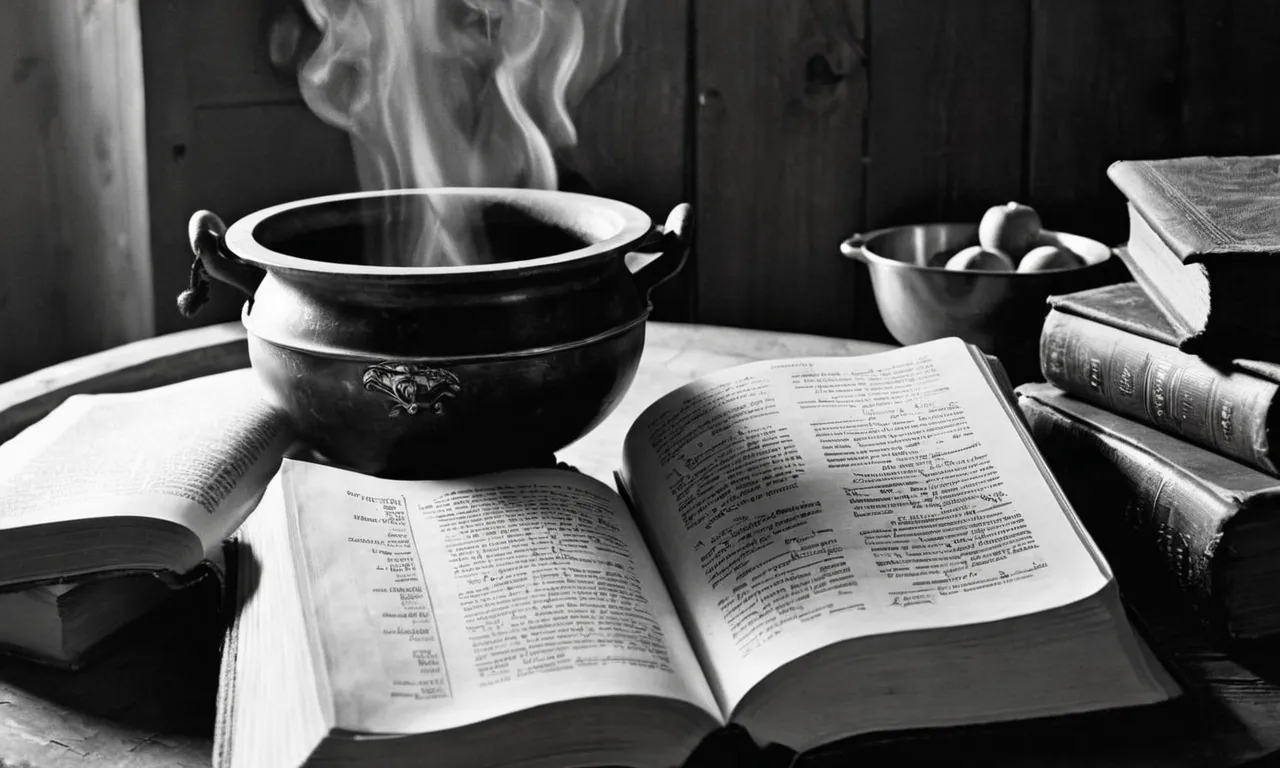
(1011, 238)
(1001, 312)
(1012, 228)
(981, 258)
(1044, 257)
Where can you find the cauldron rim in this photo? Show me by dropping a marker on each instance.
(628, 223)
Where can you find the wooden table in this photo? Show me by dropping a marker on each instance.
(148, 701)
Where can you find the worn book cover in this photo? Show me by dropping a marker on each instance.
(1207, 208)
(1128, 307)
(1212, 520)
(1112, 347)
(1204, 233)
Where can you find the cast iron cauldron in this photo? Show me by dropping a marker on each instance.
(434, 372)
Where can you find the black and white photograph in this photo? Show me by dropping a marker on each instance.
(646, 383)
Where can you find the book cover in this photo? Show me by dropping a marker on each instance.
(1209, 518)
(1112, 347)
(1206, 207)
(1202, 231)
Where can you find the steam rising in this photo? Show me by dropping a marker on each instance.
(455, 93)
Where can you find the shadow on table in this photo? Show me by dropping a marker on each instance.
(159, 675)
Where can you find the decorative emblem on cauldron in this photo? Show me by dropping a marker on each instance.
(410, 386)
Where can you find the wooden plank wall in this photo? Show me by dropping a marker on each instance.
(1143, 78)
(781, 94)
(633, 124)
(227, 132)
(75, 274)
(789, 124)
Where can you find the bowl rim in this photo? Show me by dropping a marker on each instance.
(629, 225)
(858, 246)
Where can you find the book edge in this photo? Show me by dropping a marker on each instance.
(1245, 501)
(1183, 329)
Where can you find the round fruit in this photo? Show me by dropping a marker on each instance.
(1012, 228)
(940, 258)
(975, 257)
(1049, 257)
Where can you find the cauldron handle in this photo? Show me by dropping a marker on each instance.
(673, 243)
(207, 235)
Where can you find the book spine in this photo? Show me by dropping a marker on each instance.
(1158, 385)
(1128, 496)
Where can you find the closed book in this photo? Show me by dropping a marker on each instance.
(61, 624)
(1211, 520)
(1112, 347)
(1204, 241)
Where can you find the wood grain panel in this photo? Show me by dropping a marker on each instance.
(99, 172)
(632, 130)
(782, 92)
(946, 127)
(945, 132)
(243, 158)
(73, 209)
(230, 136)
(28, 272)
(1105, 86)
(168, 124)
(229, 46)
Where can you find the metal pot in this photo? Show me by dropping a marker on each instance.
(999, 312)
(435, 372)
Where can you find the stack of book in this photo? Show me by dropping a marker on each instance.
(1159, 409)
(113, 503)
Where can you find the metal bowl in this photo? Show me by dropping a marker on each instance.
(999, 312)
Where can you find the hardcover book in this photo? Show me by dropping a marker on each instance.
(1205, 243)
(804, 549)
(1211, 519)
(1112, 347)
(60, 624)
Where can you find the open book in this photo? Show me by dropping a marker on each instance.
(150, 481)
(812, 549)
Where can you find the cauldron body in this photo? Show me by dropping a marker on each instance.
(433, 372)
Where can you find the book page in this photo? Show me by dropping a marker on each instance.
(198, 453)
(796, 503)
(437, 604)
